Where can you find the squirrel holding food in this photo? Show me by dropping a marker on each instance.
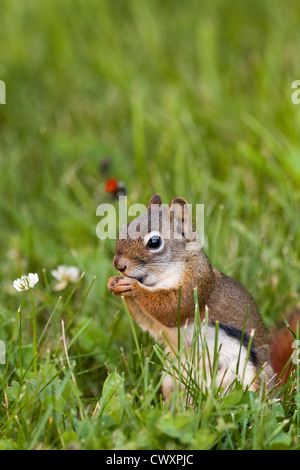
(161, 262)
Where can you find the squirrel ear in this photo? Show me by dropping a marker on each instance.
(180, 208)
(178, 200)
(155, 199)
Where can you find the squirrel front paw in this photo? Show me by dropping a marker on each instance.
(122, 285)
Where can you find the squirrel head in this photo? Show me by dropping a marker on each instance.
(155, 247)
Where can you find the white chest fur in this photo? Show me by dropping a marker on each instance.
(165, 277)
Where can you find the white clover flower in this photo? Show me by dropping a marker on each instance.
(65, 275)
(26, 282)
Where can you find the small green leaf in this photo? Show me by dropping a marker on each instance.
(203, 440)
(281, 442)
(278, 410)
(69, 437)
(181, 427)
(110, 402)
(233, 399)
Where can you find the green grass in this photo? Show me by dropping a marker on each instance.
(189, 100)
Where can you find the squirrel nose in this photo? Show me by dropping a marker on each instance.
(119, 263)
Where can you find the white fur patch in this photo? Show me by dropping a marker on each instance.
(167, 278)
(231, 354)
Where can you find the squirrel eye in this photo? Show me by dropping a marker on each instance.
(154, 242)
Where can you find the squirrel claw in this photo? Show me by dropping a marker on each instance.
(112, 282)
(121, 285)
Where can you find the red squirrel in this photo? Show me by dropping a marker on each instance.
(160, 258)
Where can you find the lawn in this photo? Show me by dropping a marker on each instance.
(188, 99)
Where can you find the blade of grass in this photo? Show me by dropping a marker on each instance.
(139, 352)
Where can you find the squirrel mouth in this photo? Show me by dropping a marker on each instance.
(140, 279)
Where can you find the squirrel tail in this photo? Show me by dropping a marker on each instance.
(282, 346)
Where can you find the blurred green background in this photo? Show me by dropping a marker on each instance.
(187, 99)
